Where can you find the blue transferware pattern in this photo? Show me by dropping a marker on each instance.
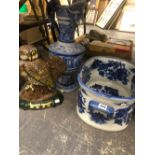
(123, 115)
(97, 117)
(66, 33)
(102, 114)
(72, 53)
(106, 90)
(112, 70)
(86, 74)
(81, 101)
(68, 18)
(104, 106)
(73, 61)
(67, 82)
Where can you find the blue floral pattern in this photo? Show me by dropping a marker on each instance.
(66, 33)
(81, 104)
(106, 90)
(98, 117)
(86, 74)
(102, 112)
(112, 70)
(68, 19)
(122, 116)
(73, 62)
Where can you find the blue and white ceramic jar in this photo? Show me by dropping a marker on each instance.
(106, 96)
(66, 48)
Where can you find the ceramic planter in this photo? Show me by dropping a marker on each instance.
(106, 95)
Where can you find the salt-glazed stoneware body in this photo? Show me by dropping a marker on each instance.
(66, 48)
(106, 94)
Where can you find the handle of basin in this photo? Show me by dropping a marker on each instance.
(97, 106)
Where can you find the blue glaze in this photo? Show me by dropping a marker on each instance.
(73, 61)
(114, 108)
(86, 74)
(121, 112)
(124, 99)
(103, 115)
(66, 33)
(71, 52)
(81, 104)
(68, 18)
(66, 80)
(106, 90)
(97, 117)
(66, 25)
(107, 110)
(123, 115)
(112, 70)
(119, 121)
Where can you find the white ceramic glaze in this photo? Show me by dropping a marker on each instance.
(106, 94)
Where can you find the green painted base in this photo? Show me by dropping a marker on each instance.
(51, 101)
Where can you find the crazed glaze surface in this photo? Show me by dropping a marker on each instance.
(106, 96)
